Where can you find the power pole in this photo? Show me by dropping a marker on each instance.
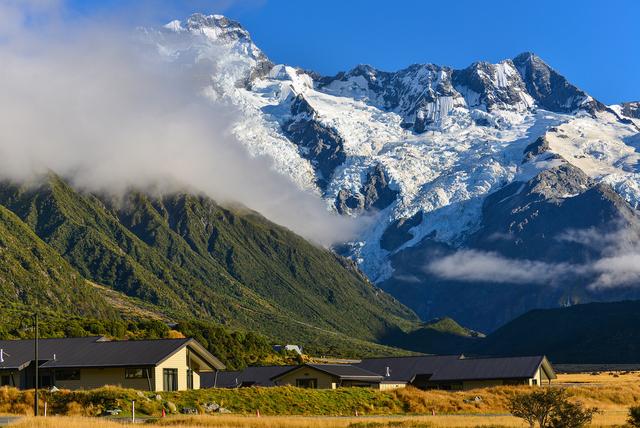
(35, 397)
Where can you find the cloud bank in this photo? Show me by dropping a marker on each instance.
(619, 265)
(478, 266)
(87, 102)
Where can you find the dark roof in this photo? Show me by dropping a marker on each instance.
(401, 369)
(455, 367)
(251, 376)
(18, 354)
(489, 368)
(98, 352)
(342, 371)
(405, 369)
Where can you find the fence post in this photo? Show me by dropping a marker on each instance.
(133, 411)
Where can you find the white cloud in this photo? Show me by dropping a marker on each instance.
(82, 101)
(478, 266)
(617, 271)
(619, 265)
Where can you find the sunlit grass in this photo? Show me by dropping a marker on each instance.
(606, 419)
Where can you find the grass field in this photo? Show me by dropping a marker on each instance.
(608, 419)
(288, 407)
(608, 377)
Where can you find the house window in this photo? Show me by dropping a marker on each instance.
(307, 383)
(67, 374)
(134, 373)
(189, 379)
(170, 378)
(534, 381)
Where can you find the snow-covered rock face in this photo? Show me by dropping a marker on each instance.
(631, 109)
(423, 146)
(550, 89)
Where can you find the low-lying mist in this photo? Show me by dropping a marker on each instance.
(86, 101)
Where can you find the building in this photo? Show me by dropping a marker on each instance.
(412, 370)
(92, 362)
(251, 376)
(446, 372)
(327, 376)
(456, 372)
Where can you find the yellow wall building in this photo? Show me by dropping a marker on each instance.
(86, 363)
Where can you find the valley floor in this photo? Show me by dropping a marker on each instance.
(287, 407)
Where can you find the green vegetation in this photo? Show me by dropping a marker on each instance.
(294, 401)
(439, 336)
(183, 257)
(236, 349)
(30, 269)
(597, 333)
(270, 401)
(634, 417)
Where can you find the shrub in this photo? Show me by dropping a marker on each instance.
(550, 408)
(572, 415)
(634, 417)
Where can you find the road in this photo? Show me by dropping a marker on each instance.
(5, 420)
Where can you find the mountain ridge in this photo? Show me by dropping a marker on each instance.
(191, 258)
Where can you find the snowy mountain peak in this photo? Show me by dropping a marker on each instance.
(199, 30)
(217, 27)
(551, 90)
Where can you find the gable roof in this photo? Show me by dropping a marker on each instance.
(18, 354)
(250, 376)
(456, 367)
(341, 371)
(405, 369)
(490, 368)
(99, 352)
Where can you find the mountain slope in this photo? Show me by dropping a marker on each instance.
(33, 275)
(441, 336)
(190, 257)
(591, 333)
(518, 260)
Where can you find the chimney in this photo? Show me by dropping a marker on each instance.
(1, 355)
(387, 372)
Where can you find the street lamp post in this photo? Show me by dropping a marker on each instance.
(35, 349)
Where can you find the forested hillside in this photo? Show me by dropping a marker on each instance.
(186, 257)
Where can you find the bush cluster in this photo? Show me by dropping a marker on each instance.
(550, 408)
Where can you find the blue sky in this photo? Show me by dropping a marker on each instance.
(596, 44)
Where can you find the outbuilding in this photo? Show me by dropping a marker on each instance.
(327, 376)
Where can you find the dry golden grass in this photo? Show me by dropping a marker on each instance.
(607, 419)
(610, 397)
(224, 421)
(598, 378)
(341, 422)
